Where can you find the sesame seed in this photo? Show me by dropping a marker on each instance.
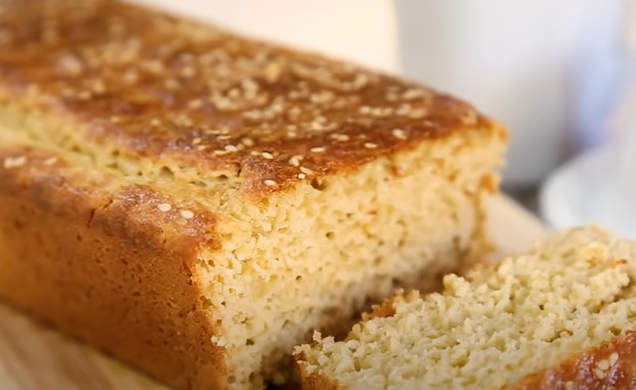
(187, 214)
(267, 155)
(613, 359)
(365, 110)
(319, 149)
(85, 95)
(14, 162)
(294, 161)
(361, 80)
(316, 126)
(603, 365)
(164, 207)
(131, 76)
(417, 113)
(247, 142)
(70, 64)
(306, 170)
(399, 133)
(370, 145)
(196, 103)
(202, 147)
(339, 137)
(392, 96)
(569, 385)
(50, 161)
(220, 152)
(413, 93)
(599, 373)
(155, 122)
(197, 141)
(155, 67)
(114, 119)
(231, 148)
(249, 85)
(301, 176)
(270, 183)
(381, 111)
(98, 87)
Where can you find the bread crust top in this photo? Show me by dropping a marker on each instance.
(156, 85)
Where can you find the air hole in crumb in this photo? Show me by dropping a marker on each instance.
(249, 342)
(222, 177)
(299, 277)
(330, 235)
(199, 183)
(79, 238)
(166, 173)
(318, 184)
(615, 331)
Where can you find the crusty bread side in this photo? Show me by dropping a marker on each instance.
(104, 264)
(586, 343)
(225, 196)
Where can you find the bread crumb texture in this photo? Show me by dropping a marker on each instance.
(572, 293)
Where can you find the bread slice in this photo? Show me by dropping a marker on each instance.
(197, 203)
(562, 316)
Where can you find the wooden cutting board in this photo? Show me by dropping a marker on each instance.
(33, 357)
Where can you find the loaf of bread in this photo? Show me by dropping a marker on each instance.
(560, 317)
(196, 203)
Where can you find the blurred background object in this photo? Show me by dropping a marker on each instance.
(557, 73)
(543, 67)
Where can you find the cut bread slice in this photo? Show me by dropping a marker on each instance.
(562, 316)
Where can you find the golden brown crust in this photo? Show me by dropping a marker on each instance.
(313, 381)
(610, 366)
(107, 266)
(159, 86)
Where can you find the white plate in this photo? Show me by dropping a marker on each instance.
(586, 190)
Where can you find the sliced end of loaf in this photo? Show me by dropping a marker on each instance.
(571, 294)
(312, 257)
